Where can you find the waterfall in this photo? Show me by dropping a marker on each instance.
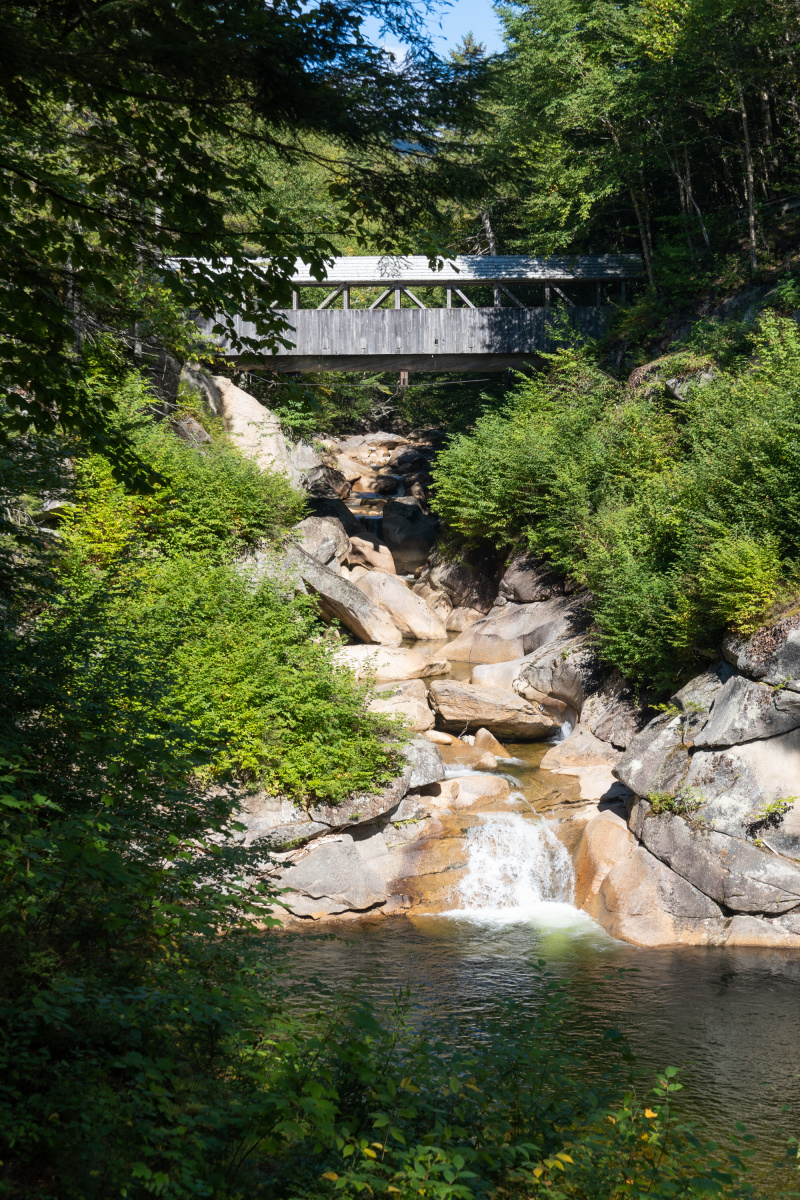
(516, 869)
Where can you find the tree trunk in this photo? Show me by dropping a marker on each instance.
(748, 176)
(491, 242)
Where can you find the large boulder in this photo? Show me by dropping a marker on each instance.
(729, 870)
(408, 699)
(469, 578)
(326, 482)
(567, 669)
(458, 619)
(504, 714)
(590, 761)
(744, 711)
(388, 665)
(332, 877)
(527, 580)
(304, 457)
(408, 612)
(409, 532)
(384, 441)
(251, 427)
(612, 713)
(515, 630)
(751, 790)
(369, 551)
(771, 655)
(323, 538)
(340, 600)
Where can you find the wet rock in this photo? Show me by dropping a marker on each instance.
(527, 580)
(409, 532)
(341, 600)
(326, 482)
(408, 699)
(729, 870)
(408, 612)
(745, 711)
(504, 714)
(323, 538)
(515, 630)
(590, 761)
(388, 665)
(772, 655)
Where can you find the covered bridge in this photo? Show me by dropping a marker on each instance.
(477, 312)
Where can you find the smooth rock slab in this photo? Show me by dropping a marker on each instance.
(387, 665)
(323, 538)
(565, 668)
(502, 713)
(341, 600)
(332, 877)
(730, 871)
(736, 783)
(515, 630)
(408, 612)
(745, 711)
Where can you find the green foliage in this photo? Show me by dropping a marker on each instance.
(738, 580)
(686, 800)
(681, 516)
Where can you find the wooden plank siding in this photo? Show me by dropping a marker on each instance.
(419, 339)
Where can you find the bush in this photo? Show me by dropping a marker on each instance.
(681, 516)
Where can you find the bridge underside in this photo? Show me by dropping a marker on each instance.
(290, 363)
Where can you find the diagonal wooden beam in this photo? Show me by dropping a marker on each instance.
(380, 299)
(331, 297)
(416, 299)
(566, 299)
(459, 292)
(511, 296)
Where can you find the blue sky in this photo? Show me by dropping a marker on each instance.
(449, 25)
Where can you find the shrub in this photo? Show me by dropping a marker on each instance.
(682, 517)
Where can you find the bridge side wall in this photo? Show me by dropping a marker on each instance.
(351, 334)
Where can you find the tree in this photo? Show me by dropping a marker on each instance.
(126, 196)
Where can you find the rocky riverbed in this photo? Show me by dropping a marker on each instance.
(682, 830)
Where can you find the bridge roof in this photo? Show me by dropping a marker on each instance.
(384, 271)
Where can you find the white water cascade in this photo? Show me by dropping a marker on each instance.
(517, 870)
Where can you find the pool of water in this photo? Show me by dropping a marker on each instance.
(729, 1019)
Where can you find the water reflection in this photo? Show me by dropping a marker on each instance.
(730, 1018)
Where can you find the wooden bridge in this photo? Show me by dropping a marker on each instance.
(480, 312)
